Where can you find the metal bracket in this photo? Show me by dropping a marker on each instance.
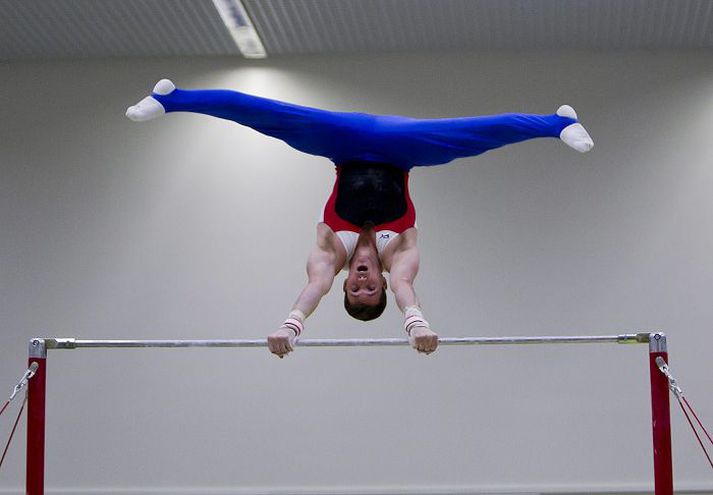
(51, 343)
(638, 338)
(63, 343)
(657, 342)
(38, 348)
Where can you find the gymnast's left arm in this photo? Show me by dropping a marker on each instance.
(403, 271)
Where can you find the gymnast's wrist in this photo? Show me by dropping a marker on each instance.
(294, 322)
(413, 318)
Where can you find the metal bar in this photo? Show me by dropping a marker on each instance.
(36, 398)
(660, 417)
(71, 343)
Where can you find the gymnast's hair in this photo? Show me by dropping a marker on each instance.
(364, 312)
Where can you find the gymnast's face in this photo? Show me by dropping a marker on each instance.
(364, 284)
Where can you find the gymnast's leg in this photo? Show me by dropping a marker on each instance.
(426, 142)
(311, 130)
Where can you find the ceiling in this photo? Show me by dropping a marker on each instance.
(72, 29)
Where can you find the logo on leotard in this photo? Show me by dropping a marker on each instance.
(384, 236)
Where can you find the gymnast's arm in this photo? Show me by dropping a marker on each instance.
(321, 270)
(403, 270)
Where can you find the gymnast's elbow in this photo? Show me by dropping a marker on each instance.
(399, 284)
(320, 285)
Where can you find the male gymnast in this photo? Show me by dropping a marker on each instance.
(368, 224)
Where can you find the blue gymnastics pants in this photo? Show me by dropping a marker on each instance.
(344, 136)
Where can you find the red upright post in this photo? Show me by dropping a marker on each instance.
(36, 393)
(661, 417)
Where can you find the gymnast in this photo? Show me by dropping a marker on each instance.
(369, 223)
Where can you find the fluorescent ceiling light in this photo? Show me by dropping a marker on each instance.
(241, 28)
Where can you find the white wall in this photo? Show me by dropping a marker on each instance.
(189, 227)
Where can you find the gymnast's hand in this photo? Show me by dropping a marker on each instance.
(281, 342)
(423, 339)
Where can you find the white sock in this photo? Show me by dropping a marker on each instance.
(149, 108)
(164, 87)
(574, 135)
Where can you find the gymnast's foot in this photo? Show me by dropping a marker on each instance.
(574, 135)
(149, 108)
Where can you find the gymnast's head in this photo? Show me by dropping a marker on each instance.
(365, 290)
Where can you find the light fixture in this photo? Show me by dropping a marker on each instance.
(241, 28)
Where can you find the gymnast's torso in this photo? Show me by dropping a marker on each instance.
(370, 194)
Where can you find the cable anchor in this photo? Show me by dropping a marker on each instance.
(672, 383)
(23, 381)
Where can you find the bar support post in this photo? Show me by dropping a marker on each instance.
(36, 398)
(660, 417)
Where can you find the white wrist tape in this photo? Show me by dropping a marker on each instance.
(294, 324)
(297, 315)
(414, 318)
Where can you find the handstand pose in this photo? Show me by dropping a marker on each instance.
(369, 222)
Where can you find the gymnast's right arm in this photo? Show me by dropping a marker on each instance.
(321, 270)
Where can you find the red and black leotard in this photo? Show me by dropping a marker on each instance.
(369, 193)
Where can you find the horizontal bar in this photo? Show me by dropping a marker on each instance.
(71, 343)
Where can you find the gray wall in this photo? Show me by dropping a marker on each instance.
(191, 227)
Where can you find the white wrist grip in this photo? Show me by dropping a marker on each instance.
(295, 325)
(414, 318)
